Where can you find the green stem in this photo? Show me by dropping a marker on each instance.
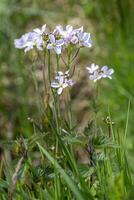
(54, 100)
(49, 71)
(68, 95)
(44, 78)
(58, 99)
(57, 61)
(75, 55)
(69, 58)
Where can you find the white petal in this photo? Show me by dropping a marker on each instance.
(67, 73)
(79, 30)
(104, 68)
(61, 80)
(111, 71)
(58, 29)
(52, 38)
(55, 85)
(86, 36)
(37, 30)
(64, 85)
(59, 42)
(80, 35)
(60, 73)
(88, 68)
(43, 28)
(57, 49)
(59, 91)
(69, 28)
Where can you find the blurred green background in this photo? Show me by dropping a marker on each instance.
(111, 25)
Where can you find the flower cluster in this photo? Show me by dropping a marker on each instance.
(57, 40)
(30, 40)
(62, 81)
(97, 73)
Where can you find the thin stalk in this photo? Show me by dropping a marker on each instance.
(58, 99)
(49, 72)
(68, 94)
(54, 99)
(75, 55)
(69, 59)
(57, 61)
(58, 106)
(44, 78)
(63, 60)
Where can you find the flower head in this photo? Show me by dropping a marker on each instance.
(84, 39)
(68, 34)
(62, 81)
(92, 68)
(96, 73)
(106, 72)
(95, 76)
(28, 41)
(55, 44)
(57, 40)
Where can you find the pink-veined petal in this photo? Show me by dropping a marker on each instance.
(52, 38)
(50, 46)
(55, 84)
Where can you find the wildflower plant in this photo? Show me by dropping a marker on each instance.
(72, 165)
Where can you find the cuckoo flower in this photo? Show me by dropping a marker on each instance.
(28, 41)
(96, 73)
(92, 68)
(61, 82)
(84, 38)
(69, 35)
(95, 76)
(106, 72)
(55, 44)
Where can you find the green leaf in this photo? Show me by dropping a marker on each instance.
(66, 178)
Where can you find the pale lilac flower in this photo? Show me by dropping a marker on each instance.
(96, 73)
(92, 68)
(28, 41)
(58, 30)
(60, 84)
(64, 33)
(40, 31)
(95, 76)
(70, 82)
(62, 81)
(106, 72)
(73, 36)
(84, 38)
(68, 35)
(55, 44)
